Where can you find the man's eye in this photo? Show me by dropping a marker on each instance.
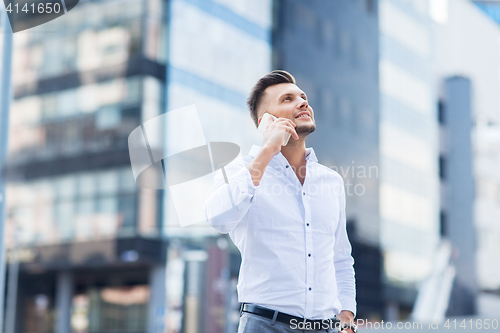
(287, 98)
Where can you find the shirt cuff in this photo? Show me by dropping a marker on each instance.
(349, 305)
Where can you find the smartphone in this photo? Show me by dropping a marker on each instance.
(266, 119)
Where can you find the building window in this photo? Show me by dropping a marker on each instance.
(442, 224)
(441, 111)
(370, 6)
(355, 56)
(110, 309)
(327, 103)
(80, 206)
(442, 166)
(38, 313)
(343, 113)
(345, 44)
(328, 33)
(320, 38)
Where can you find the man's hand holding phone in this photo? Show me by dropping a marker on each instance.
(277, 132)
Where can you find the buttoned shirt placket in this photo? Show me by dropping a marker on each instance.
(308, 234)
(309, 250)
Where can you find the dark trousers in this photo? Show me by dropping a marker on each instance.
(252, 323)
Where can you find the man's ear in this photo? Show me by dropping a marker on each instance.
(260, 118)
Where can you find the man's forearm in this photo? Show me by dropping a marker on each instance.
(258, 165)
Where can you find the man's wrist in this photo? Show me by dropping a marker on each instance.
(268, 150)
(349, 313)
(346, 318)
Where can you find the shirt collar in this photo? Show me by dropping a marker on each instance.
(310, 154)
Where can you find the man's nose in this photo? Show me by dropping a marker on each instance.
(303, 104)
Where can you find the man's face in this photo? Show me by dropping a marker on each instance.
(286, 100)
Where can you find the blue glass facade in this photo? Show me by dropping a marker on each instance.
(409, 184)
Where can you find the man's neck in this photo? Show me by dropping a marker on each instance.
(295, 153)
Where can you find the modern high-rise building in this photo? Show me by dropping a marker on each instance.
(466, 72)
(409, 151)
(88, 240)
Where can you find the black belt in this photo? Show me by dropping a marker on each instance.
(287, 319)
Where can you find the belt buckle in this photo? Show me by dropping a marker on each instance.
(241, 308)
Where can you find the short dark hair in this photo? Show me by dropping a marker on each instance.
(271, 79)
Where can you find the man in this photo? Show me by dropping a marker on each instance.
(286, 214)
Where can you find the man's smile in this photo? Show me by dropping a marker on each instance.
(303, 114)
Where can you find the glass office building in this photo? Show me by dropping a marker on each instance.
(87, 238)
(409, 150)
(488, 185)
(481, 209)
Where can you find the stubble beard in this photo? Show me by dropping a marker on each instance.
(305, 129)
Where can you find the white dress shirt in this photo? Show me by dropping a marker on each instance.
(296, 257)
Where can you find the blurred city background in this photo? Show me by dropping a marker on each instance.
(406, 96)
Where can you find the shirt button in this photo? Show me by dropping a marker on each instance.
(308, 224)
(304, 193)
(309, 288)
(309, 254)
(287, 166)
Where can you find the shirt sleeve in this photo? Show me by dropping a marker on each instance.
(343, 261)
(229, 202)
